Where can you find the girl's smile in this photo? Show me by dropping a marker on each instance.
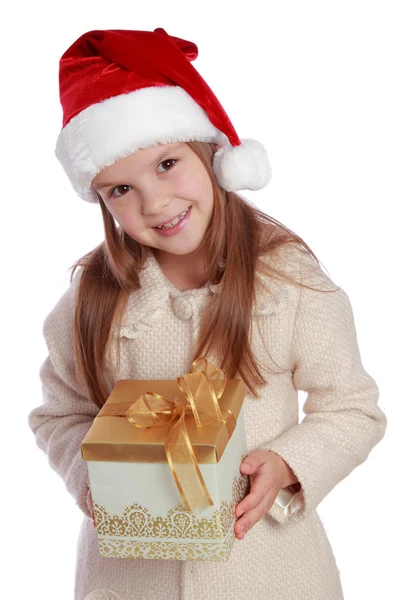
(174, 226)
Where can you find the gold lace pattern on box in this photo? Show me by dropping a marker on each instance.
(179, 535)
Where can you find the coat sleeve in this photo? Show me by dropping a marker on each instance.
(61, 422)
(342, 420)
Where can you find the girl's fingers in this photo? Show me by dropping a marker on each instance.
(259, 488)
(252, 516)
(253, 461)
(249, 519)
(249, 502)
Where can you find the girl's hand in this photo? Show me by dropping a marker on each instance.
(89, 502)
(269, 473)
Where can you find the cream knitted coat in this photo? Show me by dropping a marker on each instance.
(308, 340)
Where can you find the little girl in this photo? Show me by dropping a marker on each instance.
(190, 268)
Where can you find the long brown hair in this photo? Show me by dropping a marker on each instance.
(238, 235)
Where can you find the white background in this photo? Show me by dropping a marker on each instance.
(318, 83)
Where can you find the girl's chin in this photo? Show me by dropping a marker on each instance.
(178, 251)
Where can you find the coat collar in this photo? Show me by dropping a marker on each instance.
(146, 304)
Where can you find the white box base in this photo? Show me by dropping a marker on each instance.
(139, 512)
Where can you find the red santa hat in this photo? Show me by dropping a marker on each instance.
(124, 90)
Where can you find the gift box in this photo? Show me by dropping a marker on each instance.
(163, 458)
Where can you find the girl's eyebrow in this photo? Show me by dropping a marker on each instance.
(104, 184)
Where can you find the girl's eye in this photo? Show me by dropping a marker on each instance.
(116, 188)
(168, 161)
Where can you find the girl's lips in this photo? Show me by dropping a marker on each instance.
(176, 228)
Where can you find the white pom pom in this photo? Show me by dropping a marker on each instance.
(244, 167)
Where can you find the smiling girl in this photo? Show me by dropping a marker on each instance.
(159, 199)
(190, 268)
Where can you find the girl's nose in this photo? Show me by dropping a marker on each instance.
(153, 202)
(154, 207)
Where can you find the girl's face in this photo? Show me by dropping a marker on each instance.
(154, 186)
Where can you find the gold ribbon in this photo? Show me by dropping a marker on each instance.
(202, 388)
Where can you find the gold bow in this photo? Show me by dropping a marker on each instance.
(202, 388)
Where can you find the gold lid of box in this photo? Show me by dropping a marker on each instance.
(114, 438)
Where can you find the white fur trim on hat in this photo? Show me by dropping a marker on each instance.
(244, 167)
(114, 128)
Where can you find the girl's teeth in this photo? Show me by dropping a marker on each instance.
(174, 222)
